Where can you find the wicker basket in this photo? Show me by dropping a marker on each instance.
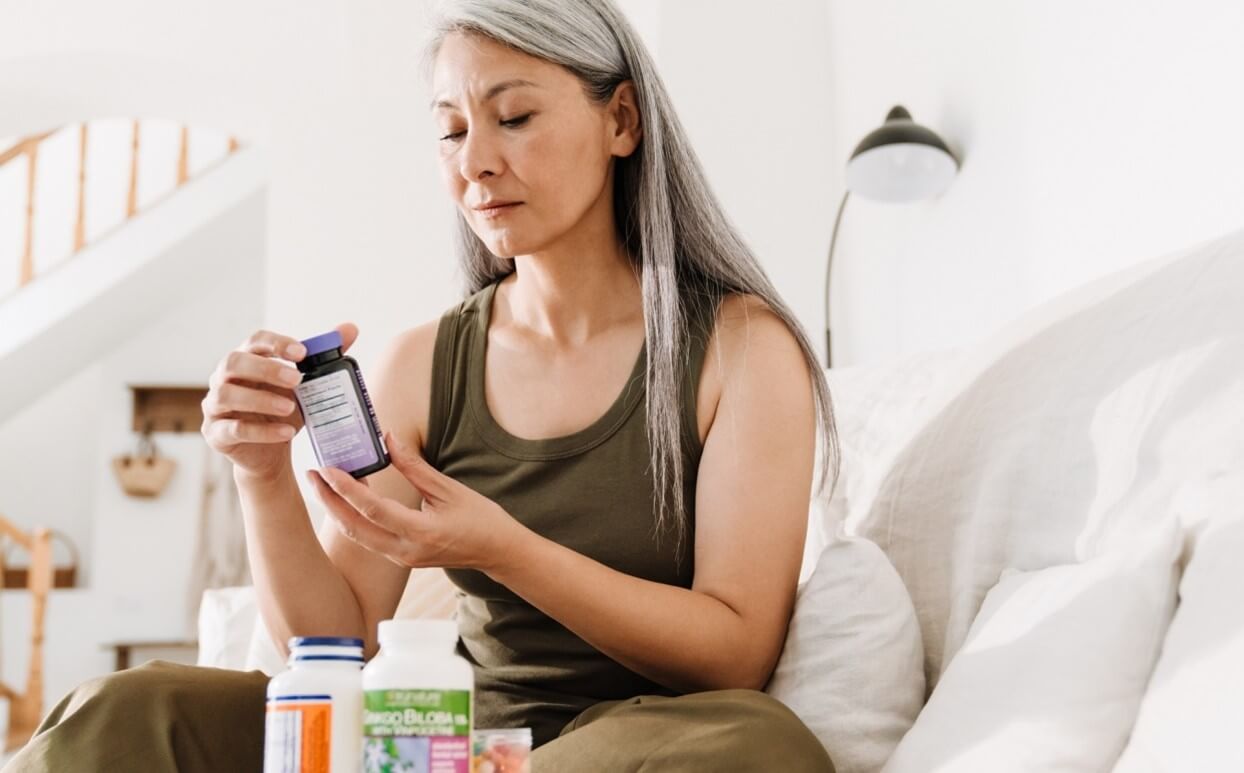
(144, 474)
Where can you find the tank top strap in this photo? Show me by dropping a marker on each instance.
(450, 367)
(701, 315)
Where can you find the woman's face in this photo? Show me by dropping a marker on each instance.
(515, 128)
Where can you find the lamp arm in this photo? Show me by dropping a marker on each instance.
(829, 266)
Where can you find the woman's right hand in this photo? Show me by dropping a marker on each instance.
(250, 414)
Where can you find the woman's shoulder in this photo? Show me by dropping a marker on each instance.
(415, 345)
(744, 318)
(403, 376)
(749, 337)
(400, 380)
(754, 369)
(423, 337)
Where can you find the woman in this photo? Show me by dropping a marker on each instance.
(626, 576)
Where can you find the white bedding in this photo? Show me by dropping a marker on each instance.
(1074, 423)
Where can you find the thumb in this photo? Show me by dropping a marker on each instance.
(349, 334)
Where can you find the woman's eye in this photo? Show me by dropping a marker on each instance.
(511, 123)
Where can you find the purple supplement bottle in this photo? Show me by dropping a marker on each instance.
(337, 411)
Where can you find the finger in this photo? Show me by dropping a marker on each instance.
(237, 398)
(352, 523)
(431, 482)
(381, 511)
(270, 344)
(241, 365)
(227, 432)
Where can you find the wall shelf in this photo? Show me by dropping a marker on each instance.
(161, 408)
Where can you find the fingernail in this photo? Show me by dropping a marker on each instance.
(295, 350)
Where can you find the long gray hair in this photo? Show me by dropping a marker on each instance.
(672, 227)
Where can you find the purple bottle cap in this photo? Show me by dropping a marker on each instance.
(323, 343)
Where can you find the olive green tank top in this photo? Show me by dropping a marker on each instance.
(590, 491)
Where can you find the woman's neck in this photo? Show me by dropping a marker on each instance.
(570, 299)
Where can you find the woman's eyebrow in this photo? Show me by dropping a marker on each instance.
(493, 91)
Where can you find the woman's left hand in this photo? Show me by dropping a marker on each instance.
(456, 527)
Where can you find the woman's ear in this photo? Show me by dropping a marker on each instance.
(624, 110)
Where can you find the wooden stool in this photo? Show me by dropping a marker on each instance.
(26, 708)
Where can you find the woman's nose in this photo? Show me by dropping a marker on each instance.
(478, 156)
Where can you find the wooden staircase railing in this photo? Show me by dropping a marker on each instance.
(28, 147)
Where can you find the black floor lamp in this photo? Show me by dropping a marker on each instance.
(896, 162)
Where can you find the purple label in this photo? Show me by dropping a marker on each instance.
(430, 754)
(450, 754)
(337, 423)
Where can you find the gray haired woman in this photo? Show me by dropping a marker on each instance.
(625, 578)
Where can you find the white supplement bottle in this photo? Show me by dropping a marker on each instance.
(418, 700)
(315, 708)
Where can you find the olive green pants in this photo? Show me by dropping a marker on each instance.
(169, 717)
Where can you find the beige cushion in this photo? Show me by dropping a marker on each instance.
(428, 594)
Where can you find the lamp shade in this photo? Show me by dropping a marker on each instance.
(900, 161)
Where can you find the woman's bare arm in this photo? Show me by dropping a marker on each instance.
(325, 584)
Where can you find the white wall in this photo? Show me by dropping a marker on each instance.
(752, 91)
(1093, 136)
(143, 549)
(47, 453)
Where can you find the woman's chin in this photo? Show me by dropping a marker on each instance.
(504, 248)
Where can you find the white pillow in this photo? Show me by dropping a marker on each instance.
(877, 406)
(226, 621)
(852, 668)
(1053, 667)
(1190, 718)
(263, 653)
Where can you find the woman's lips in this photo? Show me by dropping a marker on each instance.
(492, 212)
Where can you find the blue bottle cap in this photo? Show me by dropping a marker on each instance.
(324, 641)
(325, 342)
